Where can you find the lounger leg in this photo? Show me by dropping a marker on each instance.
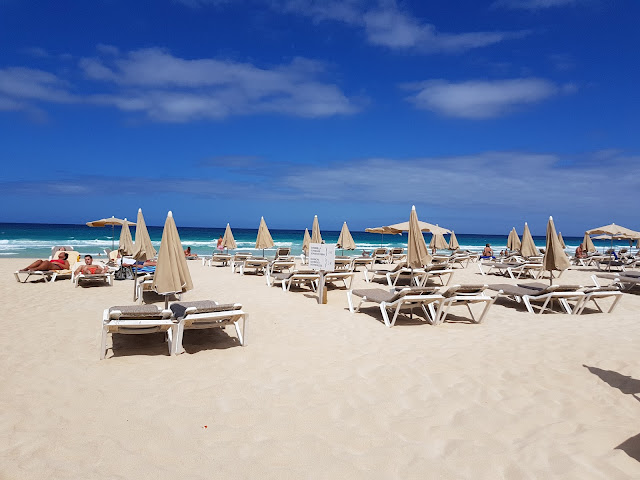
(171, 336)
(177, 341)
(487, 306)
(350, 300)
(103, 343)
(615, 302)
(385, 315)
(395, 315)
(480, 268)
(243, 337)
(527, 303)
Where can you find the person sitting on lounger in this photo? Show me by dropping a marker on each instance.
(580, 253)
(487, 252)
(189, 255)
(90, 268)
(60, 263)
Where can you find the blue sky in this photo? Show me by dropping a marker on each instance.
(482, 114)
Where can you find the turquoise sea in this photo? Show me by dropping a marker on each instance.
(34, 240)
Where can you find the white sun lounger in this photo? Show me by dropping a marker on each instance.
(137, 319)
(409, 297)
(206, 314)
(467, 295)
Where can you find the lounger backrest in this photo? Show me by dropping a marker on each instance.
(464, 290)
(415, 291)
(180, 309)
(148, 312)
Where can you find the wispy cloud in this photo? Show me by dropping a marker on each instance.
(462, 181)
(173, 89)
(532, 4)
(18, 84)
(167, 88)
(384, 24)
(481, 99)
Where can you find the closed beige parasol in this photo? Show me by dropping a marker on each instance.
(453, 242)
(438, 242)
(417, 252)
(513, 242)
(263, 240)
(172, 273)
(306, 240)
(228, 241)
(315, 231)
(345, 240)
(527, 247)
(142, 248)
(125, 246)
(554, 256)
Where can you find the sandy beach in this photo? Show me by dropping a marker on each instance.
(317, 392)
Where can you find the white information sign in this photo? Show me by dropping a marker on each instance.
(322, 256)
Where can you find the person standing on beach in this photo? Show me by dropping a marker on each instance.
(220, 247)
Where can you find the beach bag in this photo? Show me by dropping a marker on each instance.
(123, 273)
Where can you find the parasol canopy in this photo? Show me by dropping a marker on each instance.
(438, 242)
(142, 248)
(345, 240)
(417, 252)
(513, 242)
(527, 247)
(126, 242)
(172, 273)
(113, 221)
(315, 231)
(306, 241)
(453, 242)
(263, 240)
(554, 256)
(587, 243)
(228, 241)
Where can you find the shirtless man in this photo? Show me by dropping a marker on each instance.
(89, 267)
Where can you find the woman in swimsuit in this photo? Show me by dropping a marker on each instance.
(60, 263)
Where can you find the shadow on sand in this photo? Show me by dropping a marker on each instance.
(629, 386)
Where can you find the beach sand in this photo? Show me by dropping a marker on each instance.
(318, 392)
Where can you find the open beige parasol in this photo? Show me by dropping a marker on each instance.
(554, 256)
(113, 221)
(345, 240)
(172, 273)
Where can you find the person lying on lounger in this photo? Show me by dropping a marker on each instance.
(90, 268)
(60, 263)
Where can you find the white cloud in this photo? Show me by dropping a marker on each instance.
(168, 88)
(481, 99)
(387, 25)
(532, 4)
(395, 29)
(20, 83)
